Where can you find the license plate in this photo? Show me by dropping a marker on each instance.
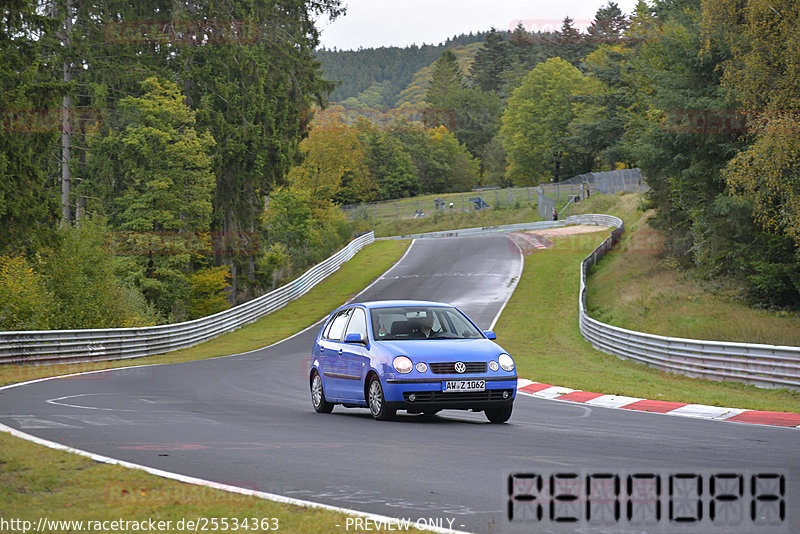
(451, 386)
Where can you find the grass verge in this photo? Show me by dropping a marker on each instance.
(540, 328)
(636, 287)
(454, 221)
(40, 482)
(36, 481)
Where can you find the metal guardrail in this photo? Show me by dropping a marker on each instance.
(66, 346)
(521, 227)
(770, 366)
(762, 365)
(759, 364)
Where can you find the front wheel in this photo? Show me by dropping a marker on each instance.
(377, 401)
(499, 415)
(321, 405)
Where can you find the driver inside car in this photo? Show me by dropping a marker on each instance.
(425, 327)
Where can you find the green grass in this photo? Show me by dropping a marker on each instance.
(540, 328)
(635, 287)
(404, 208)
(36, 481)
(39, 482)
(457, 220)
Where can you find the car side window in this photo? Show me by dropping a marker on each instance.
(337, 325)
(358, 324)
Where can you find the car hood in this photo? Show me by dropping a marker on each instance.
(444, 350)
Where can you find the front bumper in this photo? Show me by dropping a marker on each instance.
(427, 394)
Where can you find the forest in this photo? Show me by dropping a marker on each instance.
(701, 95)
(160, 162)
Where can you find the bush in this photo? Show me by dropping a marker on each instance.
(207, 291)
(80, 275)
(25, 302)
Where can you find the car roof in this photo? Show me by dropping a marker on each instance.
(398, 303)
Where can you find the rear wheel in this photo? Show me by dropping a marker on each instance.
(377, 401)
(318, 395)
(498, 415)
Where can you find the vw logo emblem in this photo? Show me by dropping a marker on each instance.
(460, 367)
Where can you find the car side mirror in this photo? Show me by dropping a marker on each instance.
(354, 337)
(490, 335)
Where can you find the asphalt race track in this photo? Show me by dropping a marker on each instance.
(247, 420)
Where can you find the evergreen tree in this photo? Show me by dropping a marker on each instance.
(608, 26)
(491, 62)
(157, 171)
(391, 166)
(29, 100)
(445, 81)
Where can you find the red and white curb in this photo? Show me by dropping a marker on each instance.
(684, 409)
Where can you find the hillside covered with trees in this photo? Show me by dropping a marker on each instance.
(701, 95)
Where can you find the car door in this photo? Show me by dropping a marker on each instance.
(355, 358)
(330, 351)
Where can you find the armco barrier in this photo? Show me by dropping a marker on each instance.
(65, 346)
(761, 365)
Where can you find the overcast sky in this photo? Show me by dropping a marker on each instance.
(374, 23)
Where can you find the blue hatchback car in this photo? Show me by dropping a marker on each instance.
(417, 356)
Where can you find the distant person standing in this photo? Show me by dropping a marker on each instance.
(555, 214)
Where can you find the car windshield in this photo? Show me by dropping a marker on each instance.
(421, 322)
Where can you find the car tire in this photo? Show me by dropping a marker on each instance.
(321, 405)
(377, 401)
(498, 415)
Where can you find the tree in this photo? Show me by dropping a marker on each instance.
(207, 292)
(477, 118)
(568, 44)
(445, 81)
(30, 122)
(601, 106)
(762, 74)
(442, 163)
(334, 164)
(157, 175)
(25, 302)
(491, 62)
(608, 26)
(81, 275)
(391, 166)
(535, 123)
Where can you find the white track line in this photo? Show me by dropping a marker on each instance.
(208, 483)
(513, 285)
(215, 485)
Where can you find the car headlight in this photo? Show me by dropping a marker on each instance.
(493, 365)
(422, 367)
(402, 365)
(506, 362)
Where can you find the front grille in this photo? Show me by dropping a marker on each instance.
(449, 368)
(466, 396)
